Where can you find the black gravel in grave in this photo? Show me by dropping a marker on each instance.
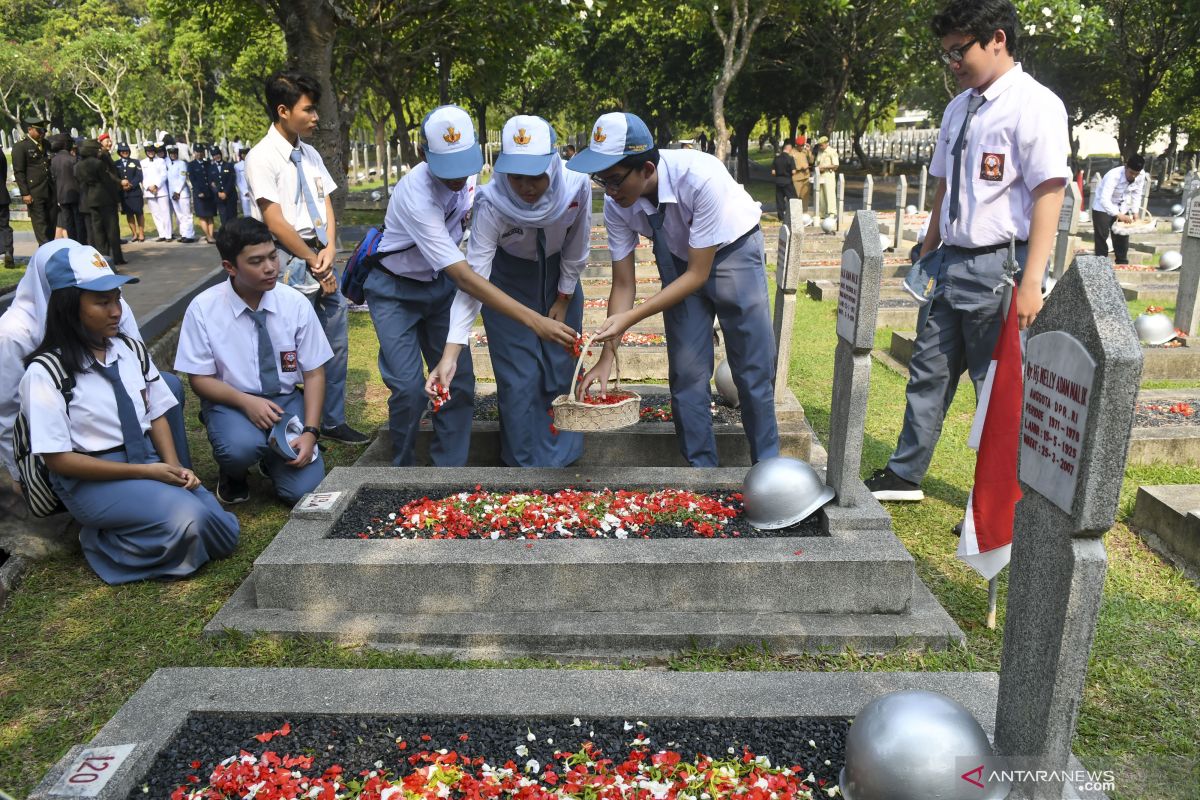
(371, 505)
(487, 407)
(1145, 417)
(357, 742)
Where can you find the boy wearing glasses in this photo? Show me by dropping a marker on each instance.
(709, 250)
(1001, 164)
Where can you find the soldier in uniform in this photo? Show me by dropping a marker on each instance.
(100, 196)
(204, 204)
(225, 180)
(6, 231)
(181, 195)
(73, 222)
(31, 169)
(130, 173)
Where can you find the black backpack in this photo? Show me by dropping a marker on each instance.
(35, 476)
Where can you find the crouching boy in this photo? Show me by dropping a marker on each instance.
(246, 344)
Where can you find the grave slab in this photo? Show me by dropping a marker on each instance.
(150, 719)
(859, 568)
(1168, 518)
(637, 363)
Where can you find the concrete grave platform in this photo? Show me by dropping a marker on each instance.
(647, 444)
(1160, 363)
(1168, 519)
(637, 362)
(832, 272)
(587, 598)
(158, 710)
(822, 290)
(1165, 444)
(1150, 292)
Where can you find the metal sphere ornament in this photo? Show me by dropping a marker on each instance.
(1177, 210)
(908, 745)
(1154, 329)
(829, 224)
(723, 377)
(1170, 261)
(1177, 224)
(376, 195)
(780, 492)
(910, 209)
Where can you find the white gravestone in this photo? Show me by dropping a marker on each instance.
(1068, 223)
(868, 192)
(901, 202)
(924, 187)
(1187, 299)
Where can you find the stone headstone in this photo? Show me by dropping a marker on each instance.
(1083, 366)
(787, 280)
(1187, 301)
(901, 202)
(816, 193)
(924, 187)
(868, 192)
(858, 307)
(1068, 222)
(1191, 186)
(841, 198)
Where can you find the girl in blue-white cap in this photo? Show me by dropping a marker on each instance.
(110, 455)
(530, 240)
(709, 251)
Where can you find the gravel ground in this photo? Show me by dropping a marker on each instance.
(369, 510)
(1156, 414)
(487, 408)
(358, 742)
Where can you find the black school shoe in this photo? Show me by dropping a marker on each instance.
(344, 433)
(186, 240)
(232, 491)
(887, 485)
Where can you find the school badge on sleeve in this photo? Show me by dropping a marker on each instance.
(991, 167)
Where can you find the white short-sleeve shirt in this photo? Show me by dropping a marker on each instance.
(177, 177)
(154, 173)
(1116, 195)
(704, 207)
(92, 423)
(218, 338)
(569, 235)
(424, 225)
(1016, 142)
(271, 175)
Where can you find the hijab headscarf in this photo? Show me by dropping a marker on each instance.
(552, 205)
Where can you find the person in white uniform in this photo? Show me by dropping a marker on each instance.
(1001, 164)
(530, 232)
(154, 189)
(247, 344)
(1118, 199)
(180, 193)
(107, 445)
(243, 186)
(709, 251)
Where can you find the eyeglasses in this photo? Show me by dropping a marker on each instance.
(611, 185)
(955, 54)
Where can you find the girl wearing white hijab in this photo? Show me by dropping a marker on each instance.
(22, 328)
(530, 237)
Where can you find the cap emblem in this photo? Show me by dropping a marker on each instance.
(451, 136)
(521, 137)
(98, 262)
(598, 136)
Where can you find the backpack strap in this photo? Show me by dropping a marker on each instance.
(143, 355)
(63, 380)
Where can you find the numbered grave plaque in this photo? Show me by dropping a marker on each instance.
(1058, 385)
(849, 295)
(318, 501)
(91, 771)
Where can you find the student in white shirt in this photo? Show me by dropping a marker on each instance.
(246, 344)
(300, 216)
(709, 251)
(1001, 164)
(22, 327)
(180, 193)
(109, 451)
(1118, 199)
(530, 231)
(154, 190)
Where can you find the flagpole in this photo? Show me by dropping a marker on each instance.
(993, 593)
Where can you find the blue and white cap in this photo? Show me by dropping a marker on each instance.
(448, 140)
(83, 267)
(614, 136)
(526, 146)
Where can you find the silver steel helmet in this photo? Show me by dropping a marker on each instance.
(885, 242)
(912, 745)
(1049, 287)
(1177, 210)
(1177, 224)
(781, 491)
(725, 385)
(1154, 329)
(1170, 261)
(910, 209)
(829, 224)
(806, 220)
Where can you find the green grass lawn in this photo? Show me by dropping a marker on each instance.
(72, 649)
(10, 277)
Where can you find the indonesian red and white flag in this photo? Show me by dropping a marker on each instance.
(986, 540)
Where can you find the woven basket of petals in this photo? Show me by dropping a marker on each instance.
(607, 411)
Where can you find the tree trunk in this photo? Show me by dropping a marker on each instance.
(736, 46)
(444, 79)
(718, 112)
(741, 134)
(309, 28)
